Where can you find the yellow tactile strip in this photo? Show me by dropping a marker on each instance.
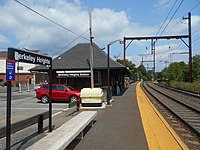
(159, 134)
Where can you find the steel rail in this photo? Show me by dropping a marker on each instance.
(185, 118)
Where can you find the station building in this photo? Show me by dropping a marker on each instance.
(73, 68)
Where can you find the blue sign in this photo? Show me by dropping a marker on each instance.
(10, 70)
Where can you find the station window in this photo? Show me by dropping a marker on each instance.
(97, 78)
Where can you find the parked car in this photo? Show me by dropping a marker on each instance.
(59, 92)
(3, 83)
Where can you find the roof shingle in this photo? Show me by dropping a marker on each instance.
(78, 57)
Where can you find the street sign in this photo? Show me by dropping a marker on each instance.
(10, 70)
(28, 57)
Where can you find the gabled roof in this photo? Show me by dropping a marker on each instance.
(78, 57)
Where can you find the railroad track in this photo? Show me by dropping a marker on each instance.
(184, 106)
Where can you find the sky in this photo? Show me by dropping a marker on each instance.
(54, 26)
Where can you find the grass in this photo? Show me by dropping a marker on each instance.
(193, 87)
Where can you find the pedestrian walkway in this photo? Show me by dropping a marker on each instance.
(118, 127)
(131, 123)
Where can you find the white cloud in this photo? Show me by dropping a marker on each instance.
(3, 39)
(33, 31)
(195, 21)
(30, 30)
(163, 4)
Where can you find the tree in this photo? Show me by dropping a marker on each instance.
(143, 74)
(196, 67)
(130, 65)
(163, 75)
(178, 71)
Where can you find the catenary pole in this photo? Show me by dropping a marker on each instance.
(190, 47)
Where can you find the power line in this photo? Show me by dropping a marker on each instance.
(172, 16)
(176, 23)
(69, 43)
(195, 6)
(49, 19)
(195, 41)
(166, 17)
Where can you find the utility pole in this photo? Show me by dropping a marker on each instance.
(189, 46)
(108, 76)
(92, 50)
(154, 57)
(124, 51)
(142, 61)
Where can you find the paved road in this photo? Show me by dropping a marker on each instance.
(25, 105)
(118, 127)
(15, 89)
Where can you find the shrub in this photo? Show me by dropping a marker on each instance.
(193, 87)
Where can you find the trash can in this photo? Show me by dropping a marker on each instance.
(91, 97)
(105, 90)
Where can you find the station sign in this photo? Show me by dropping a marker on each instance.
(28, 57)
(10, 70)
(74, 74)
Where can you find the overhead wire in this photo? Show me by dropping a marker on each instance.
(50, 19)
(172, 17)
(173, 27)
(195, 41)
(69, 43)
(169, 19)
(195, 6)
(196, 32)
(166, 17)
(167, 24)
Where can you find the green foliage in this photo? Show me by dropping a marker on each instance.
(196, 68)
(130, 65)
(194, 87)
(177, 75)
(143, 74)
(178, 71)
(163, 75)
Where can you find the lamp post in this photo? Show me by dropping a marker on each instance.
(108, 70)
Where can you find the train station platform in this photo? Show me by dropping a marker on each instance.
(131, 123)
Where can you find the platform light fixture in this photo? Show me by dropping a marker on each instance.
(108, 68)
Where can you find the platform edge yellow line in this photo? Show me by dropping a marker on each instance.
(152, 145)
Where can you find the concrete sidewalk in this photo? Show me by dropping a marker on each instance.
(118, 127)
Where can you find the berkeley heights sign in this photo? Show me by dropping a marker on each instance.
(17, 55)
(28, 57)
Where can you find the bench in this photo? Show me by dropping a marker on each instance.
(60, 138)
